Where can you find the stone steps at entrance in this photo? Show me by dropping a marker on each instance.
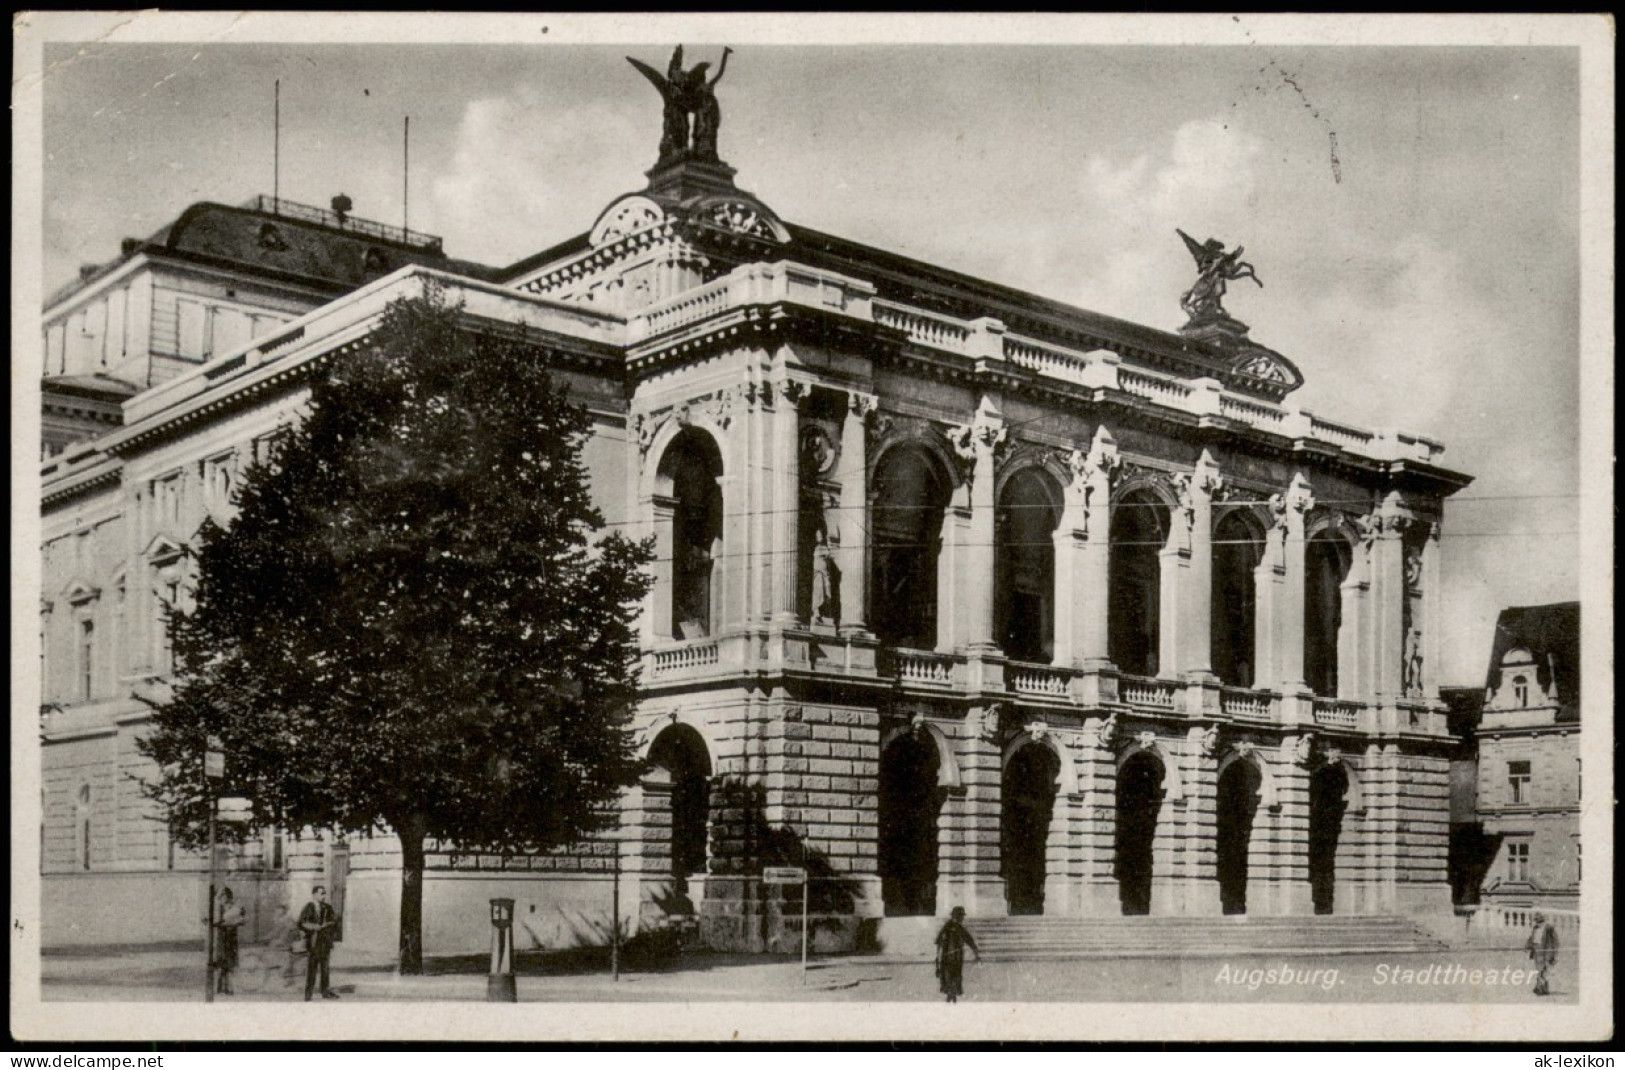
(1025, 938)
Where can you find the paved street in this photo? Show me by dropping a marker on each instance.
(1445, 977)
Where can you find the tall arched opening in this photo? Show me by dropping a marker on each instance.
(910, 801)
(1028, 513)
(1326, 563)
(687, 477)
(677, 798)
(1237, 550)
(1238, 791)
(1139, 530)
(911, 493)
(1139, 801)
(1328, 801)
(1029, 788)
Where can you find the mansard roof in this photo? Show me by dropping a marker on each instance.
(1551, 634)
(282, 240)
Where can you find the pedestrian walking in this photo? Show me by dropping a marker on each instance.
(951, 944)
(228, 918)
(1542, 948)
(319, 922)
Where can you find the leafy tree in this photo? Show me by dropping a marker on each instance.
(408, 626)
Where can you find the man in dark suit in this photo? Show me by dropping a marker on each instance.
(319, 922)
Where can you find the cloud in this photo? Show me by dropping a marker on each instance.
(527, 171)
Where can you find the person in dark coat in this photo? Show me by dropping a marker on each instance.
(951, 944)
(319, 922)
(1542, 948)
(228, 918)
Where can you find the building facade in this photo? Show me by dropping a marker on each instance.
(1530, 776)
(963, 597)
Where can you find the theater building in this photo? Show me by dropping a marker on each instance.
(963, 597)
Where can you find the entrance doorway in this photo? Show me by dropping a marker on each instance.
(680, 769)
(1029, 804)
(910, 801)
(1328, 791)
(1139, 799)
(1238, 807)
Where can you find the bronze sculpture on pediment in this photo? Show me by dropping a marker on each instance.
(692, 115)
(1215, 268)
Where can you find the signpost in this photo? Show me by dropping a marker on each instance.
(793, 875)
(214, 769)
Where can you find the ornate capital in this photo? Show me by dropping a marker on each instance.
(646, 426)
(862, 405)
(1300, 751)
(1206, 479)
(1210, 741)
(792, 392)
(1300, 496)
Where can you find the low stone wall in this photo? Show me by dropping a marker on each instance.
(162, 907)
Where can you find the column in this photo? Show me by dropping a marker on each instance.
(1299, 499)
(1092, 597)
(785, 479)
(851, 554)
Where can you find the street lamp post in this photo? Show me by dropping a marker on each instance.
(214, 769)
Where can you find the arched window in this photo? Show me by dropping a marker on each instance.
(1027, 515)
(1326, 563)
(911, 493)
(688, 473)
(1237, 551)
(1139, 530)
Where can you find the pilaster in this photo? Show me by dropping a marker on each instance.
(785, 494)
(969, 840)
(1291, 513)
(1091, 600)
(852, 552)
(1388, 601)
(979, 442)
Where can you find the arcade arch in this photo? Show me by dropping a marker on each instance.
(689, 507)
(1238, 547)
(1139, 529)
(910, 498)
(1029, 511)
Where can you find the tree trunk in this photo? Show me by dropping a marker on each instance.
(411, 831)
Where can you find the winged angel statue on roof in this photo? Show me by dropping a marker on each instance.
(1215, 267)
(687, 94)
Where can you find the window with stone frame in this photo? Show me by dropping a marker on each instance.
(910, 500)
(87, 659)
(1518, 778)
(1520, 690)
(1518, 862)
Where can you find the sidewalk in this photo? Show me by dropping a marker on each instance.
(169, 975)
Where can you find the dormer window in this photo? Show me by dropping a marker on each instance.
(1520, 690)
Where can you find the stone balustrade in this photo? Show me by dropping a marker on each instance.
(917, 668)
(1337, 713)
(1244, 705)
(986, 338)
(1149, 692)
(1041, 680)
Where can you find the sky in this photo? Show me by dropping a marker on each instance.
(1413, 212)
